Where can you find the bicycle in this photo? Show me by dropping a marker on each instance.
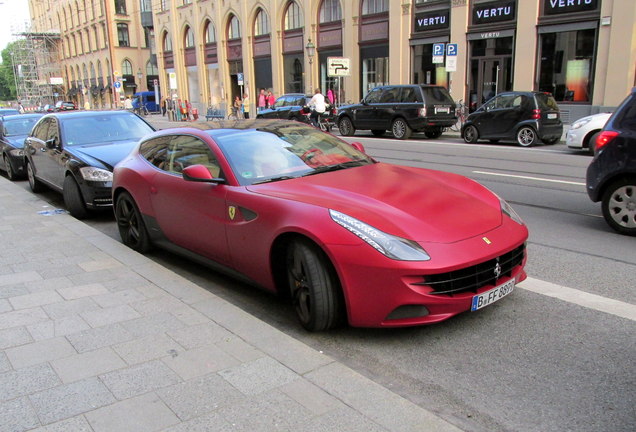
(461, 111)
(142, 111)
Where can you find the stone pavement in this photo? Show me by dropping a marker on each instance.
(96, 337)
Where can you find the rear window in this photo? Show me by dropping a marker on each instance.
(437, 95)
(546, 101)
(626, 114)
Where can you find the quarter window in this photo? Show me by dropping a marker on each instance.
(374, 95)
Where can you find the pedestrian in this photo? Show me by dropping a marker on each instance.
(20, 108)
(170, 108)
(128, 104)
(188, 110)
(164, 107)
(330, 96)
(177, 111)
(246, 106)
(236, 108)
(262, 100)
(87, 105)
(270, 99)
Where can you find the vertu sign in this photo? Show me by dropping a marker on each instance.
(431, 21)
(554, 7)
(486, 13)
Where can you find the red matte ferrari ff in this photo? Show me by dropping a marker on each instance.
(302, 213)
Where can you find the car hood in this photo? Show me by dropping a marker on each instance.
(17, 141)
(106, 154)
(413, 203)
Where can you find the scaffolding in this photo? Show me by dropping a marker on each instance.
(37, 70)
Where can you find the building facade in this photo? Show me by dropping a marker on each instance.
(581, 51)
(104, 48)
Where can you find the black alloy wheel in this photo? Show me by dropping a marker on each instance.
(35, 184)
(401, 130)
(471, 135)
(526, 136)
(130, 223)
(11, 175)
(345, 127)
(73, 198)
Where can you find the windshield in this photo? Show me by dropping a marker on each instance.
(103, 128)
(282, 152)
(19, 126)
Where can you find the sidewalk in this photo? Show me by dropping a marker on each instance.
(95, 337)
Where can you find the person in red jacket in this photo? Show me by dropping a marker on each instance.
(270, 99)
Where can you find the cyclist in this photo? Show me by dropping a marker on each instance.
(318, 105)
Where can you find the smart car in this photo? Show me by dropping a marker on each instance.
(299, 212)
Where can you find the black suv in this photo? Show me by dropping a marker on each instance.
(525, 117)
(403, 109)
(288, 107)
(611, 177)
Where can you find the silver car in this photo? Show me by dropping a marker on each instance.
(583, 132)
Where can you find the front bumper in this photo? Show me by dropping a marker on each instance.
(97, 195)
(17, 164)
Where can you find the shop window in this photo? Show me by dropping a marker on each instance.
(424, 70)
(375, 72)
(567, 60)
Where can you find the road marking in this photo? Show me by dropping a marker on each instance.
(529, 178)
(581, 298)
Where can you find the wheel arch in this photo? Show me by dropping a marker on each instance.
(588, 137)
(626, 176)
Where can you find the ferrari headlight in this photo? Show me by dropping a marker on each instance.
(580, 123)
(510, 212)
(96, 174)
(16, 152)
(389, 245)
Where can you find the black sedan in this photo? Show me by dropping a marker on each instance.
(74, 153)
(288, 107)
(13, 130)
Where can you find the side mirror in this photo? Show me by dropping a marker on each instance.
(358, 146)
(199, 173)
(363, 102)
(50, 144)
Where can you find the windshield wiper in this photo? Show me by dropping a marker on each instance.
(337, 167)
(274, 179)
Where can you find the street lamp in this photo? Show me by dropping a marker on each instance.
(311, 51)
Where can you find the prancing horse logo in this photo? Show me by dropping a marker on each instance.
(232, 212)
(497, 270)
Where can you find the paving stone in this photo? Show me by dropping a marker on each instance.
(208, 422)
(148, 325)
(5, 306)
(200, 335)
(92, 363)
(102, 317)
(119, 298)
(50, 284)
(85, 278)
(346, 419)
(75, 292)
(147, 348)
(89, 340)
(55, 328)
(34, 300)
(146, 413)
(5, 365)
(189, 316)
(16, 278)
(74, 424)
(161, 304)
(58, 272)
(14, 337)
(22, 382)
(17, 415)
(70, 307)
(258, 376)
(40, 351)
(200, 396)
(22, 317)
(200, 361)
(311, 397)
(13, 290)
(103, 264)
(139, 379)
(70, 400)
(240, 350)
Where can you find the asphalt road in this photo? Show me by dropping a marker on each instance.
(527, 363)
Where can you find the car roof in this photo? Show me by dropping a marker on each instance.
(20, 116)
(224, 127)
(86, 114)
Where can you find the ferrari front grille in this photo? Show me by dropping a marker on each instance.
(470, 279)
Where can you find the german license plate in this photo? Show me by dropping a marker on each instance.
(444, 110)
(491, 296)
(552, 116)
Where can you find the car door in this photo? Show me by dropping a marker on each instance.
(46, 152)
(492, 121)
(387, 107)
(279, 108)
(365, 114)
(192, 215)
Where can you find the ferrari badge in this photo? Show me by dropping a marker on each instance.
(232, 212)
(486, 240)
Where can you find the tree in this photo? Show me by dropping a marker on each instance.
(7, 73)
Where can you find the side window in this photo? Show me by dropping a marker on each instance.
(374, 95)
(390, 95)
(41, 129)
(280, 102)
(408, 95)
(155, 151)
(53, 132)
(186, 150)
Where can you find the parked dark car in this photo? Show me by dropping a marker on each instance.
(13, 130)
(74, 153)
(65, 106)
(611, 176)
(402, 109)
(524, 117)
(288, 107)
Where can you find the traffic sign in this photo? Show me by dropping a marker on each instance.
(117, 84)
(239, 76)
(438, 53)
(451, 50)
(338, 66)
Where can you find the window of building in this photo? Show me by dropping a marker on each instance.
(163, 5)
(567, 60)
(375, 72)
(120, 7)
(189, 38)
(210, 36)
(293, 17)
(261, 25)
(330, 11)
(151, 69)
(167, 43)
(126, 67)
(88, 40)
(234, 28)
(122, 35)
(370, 7)
(146, 5)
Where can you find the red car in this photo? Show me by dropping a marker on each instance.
(300, 212)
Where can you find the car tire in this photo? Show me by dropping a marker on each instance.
(433, 133)
(378, 132)
(73, 198)
(591, 143)
(526, 136)
(400, 129)
(345, 127)
(619, 206)
(35, 184)
(130, 224)
(314, 287)
(11, 175)
(471, 134)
